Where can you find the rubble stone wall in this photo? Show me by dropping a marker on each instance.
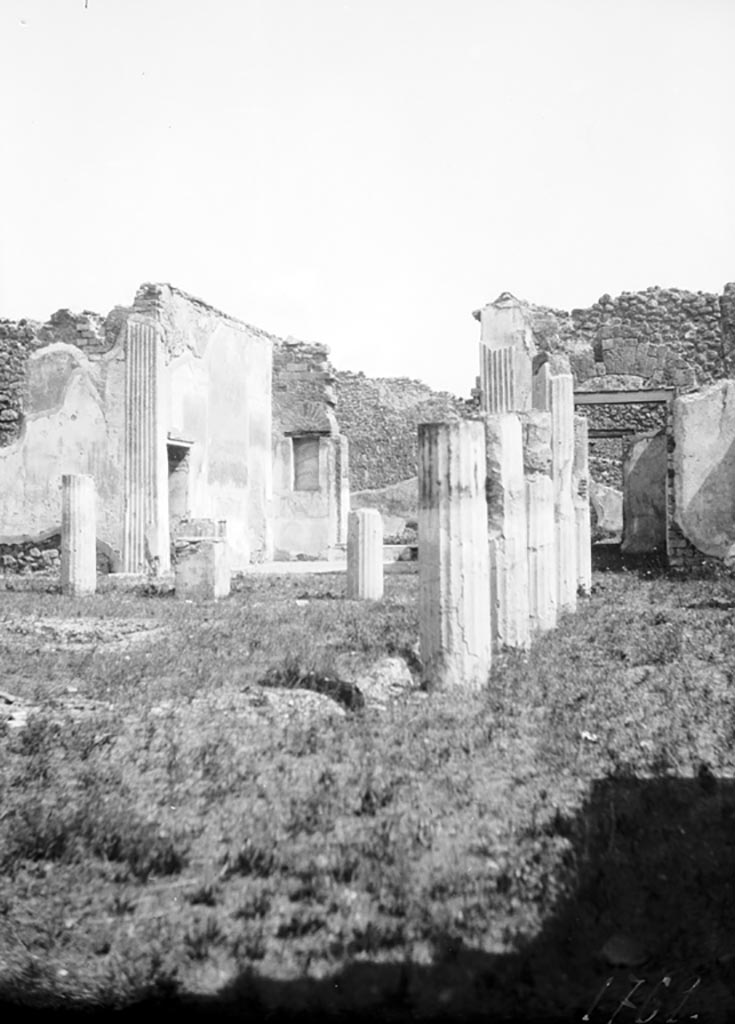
(659, 337)
(663, 336)
(380, 417)
(303, 392)
(90, 332)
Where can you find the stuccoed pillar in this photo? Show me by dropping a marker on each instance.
(454, 579)
(542, 570)
(553, 392)
(581, 498)
(507, 531)
(365, 555)
(78, 535)
(506, 351)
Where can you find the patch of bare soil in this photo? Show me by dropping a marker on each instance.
(49, 634)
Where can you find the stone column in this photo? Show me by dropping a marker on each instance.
(507, 531)
(553, 392)
(542, 568)
(454, 579)
(365, 555)
(78, 535)
(146, 537)
(581, 498)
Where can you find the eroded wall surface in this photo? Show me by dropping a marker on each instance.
(658, 337)
(65, 407)
(310, 456)
(62, 407)
(704, 468)
(217, 395)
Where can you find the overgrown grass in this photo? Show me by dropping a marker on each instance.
(182, 839)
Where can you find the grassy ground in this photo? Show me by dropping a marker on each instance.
(524, 852)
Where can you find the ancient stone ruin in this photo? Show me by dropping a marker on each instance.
(513, 480)
(651, 375)
(178, 413)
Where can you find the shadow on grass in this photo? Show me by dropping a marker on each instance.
(610, 558)
(649, 934)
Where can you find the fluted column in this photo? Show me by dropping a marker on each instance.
(78, 535)
(542, 569)
(507, 531)
(454, 582)
(581, 497)
(146, 526)
(365, 555)
(505, 379)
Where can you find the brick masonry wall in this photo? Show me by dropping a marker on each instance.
(303, 388)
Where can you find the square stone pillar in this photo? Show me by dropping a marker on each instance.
(454, 578)
(365, 555)
(542, 568)
(78, 535)
(553, 392)
(507, 531)
(581, 498)
(202, 570)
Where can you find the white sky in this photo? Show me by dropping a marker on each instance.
(365, 173)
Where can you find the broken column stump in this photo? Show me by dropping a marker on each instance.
(365, 555)
(202, 561)
(542, 570)
(78, 535)
(454, 579)
(507, 531)
(581, 499)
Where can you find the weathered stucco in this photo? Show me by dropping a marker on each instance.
(77, 414)
(217, 394)
(72, 423)
(704, 468)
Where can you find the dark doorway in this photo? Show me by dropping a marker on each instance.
(178, 481)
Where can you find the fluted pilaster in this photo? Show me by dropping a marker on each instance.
(145, 527)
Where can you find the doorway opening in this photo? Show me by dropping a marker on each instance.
(179, 452)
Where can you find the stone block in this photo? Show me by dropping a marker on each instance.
(607, 512)
(202, 569)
